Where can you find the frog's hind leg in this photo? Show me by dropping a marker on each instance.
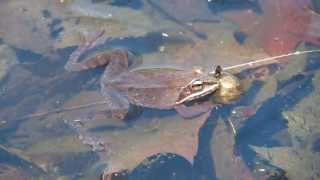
(118, 60)
(118, 105)
(118, 64)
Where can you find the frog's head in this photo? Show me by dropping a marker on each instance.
(198, 88)
(223, 85)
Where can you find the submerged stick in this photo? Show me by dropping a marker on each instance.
(270, 59)
(175, 20)
(62, 110)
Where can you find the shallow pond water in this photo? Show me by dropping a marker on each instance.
(54, 124)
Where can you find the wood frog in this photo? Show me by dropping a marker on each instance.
(160, 88)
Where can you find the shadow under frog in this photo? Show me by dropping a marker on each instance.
(159, 88)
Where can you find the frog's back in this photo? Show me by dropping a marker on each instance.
(155, 88)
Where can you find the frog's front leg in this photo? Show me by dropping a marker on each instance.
(194, 110)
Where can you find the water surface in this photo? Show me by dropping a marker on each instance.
(276, 118)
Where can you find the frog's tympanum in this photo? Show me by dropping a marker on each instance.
(160, 88)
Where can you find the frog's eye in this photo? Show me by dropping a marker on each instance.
(217, 72)
(197, 85)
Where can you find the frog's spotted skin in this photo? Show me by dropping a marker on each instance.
(155, 88)
(159, 88)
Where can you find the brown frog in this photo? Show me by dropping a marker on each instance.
(159, 88)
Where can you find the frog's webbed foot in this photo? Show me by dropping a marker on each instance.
(73, 64)
(194, 110)
(118, 59)
(96, 143)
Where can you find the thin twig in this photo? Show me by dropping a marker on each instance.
(62, 110)
(269, 59)
(232, 127)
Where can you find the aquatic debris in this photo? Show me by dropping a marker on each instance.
(18, 164)
(281, 27)
(217, 6)
(7, 60)
(152, 136)
(303, 119)
(292, 160)
(24, 26)
(240, 37)
(11, 172)
(135, 4)
(122, 146)
(184, 13)
(273, 85)
(53, 154)
(180, 168)
(228, 165)
(127, 18)
(316, 6)
(183, 10)
(316, 145)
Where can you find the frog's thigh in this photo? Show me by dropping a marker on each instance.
(117, 64)
(117, 104)
(194, 110)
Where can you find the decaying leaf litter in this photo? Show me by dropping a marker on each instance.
(53, 101)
